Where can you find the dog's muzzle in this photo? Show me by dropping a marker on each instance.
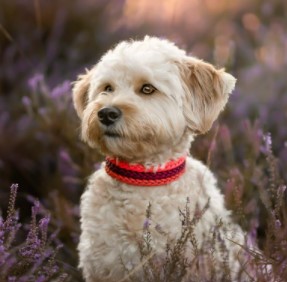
(109, 115)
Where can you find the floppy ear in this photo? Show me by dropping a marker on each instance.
(207, 91)
(80, 92)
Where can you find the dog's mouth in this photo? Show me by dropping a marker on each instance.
(112, 134)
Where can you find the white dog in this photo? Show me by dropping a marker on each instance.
(141, 106)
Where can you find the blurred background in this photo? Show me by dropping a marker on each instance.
(44, 45)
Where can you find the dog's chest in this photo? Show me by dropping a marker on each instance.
(118, 208)
(122, 208)
(113, 215)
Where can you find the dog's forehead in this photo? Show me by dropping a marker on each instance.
(134, 65)
(151, 52)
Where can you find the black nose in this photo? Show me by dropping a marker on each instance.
(109, 115)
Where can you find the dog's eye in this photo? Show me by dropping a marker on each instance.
(108, 88)
(147, 89)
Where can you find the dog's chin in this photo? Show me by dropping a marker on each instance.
(126, 148)
(110, 140)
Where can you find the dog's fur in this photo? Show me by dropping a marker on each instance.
(154, 128)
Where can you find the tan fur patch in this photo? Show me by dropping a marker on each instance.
(205, 97)
(80, 91)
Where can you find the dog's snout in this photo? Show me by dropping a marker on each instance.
(109, 115)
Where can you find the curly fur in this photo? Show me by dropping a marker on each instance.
(153, 129)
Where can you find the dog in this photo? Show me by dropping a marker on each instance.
(141, 106)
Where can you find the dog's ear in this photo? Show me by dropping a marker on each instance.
(80, 92)
(207, 90)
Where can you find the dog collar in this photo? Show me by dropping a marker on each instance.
(139, 175)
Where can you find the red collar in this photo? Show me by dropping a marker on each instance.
(139, 175)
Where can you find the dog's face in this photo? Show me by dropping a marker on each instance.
(144, 96)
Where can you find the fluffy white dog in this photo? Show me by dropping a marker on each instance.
(141, 105)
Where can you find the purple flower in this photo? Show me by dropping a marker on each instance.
(282, 189)
(278, 224)
(65, 156)
(97, 166)
(36, 208)
(32, 256)
(61, 89)
(43, 223)
(35, 80)
(267, 148)
(283, 265)
(26, 101)
(146, 224)
(41, 278)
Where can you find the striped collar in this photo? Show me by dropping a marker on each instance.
(139, 175)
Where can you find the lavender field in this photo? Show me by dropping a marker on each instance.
(44, 165)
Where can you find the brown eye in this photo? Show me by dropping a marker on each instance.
(147, 89)
(109, 88)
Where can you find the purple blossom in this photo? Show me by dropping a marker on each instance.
(252, 238)
(35, 80)
(61, 90)
(32, 256)
(65, 156)
(278, 224)
(35, 208)
(267, 148)
(43, 112)
(283, 265)
(282, 189)
(43, 223)
(26, 101)
(97, 165)
(146, 224)
(42, 278)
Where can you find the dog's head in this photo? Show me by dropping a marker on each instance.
(143, 97)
